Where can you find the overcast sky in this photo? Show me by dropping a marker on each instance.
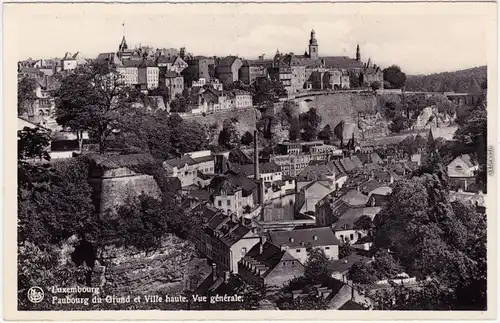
(418, 43)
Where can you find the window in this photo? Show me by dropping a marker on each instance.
(298, 250)
(219, 203)
(243, 251)
(352, 236)
(228, 203)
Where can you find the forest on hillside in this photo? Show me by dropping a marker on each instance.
(471, 80)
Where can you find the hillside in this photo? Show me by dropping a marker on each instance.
(470, 80)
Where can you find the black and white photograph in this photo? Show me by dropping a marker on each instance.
(242, 157)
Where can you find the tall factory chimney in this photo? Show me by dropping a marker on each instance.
(257, 179)
(255, 156)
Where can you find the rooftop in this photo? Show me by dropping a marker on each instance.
(304, 237)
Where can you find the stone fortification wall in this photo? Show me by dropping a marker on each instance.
(247, 118)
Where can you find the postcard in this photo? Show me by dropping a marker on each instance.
(228, 161)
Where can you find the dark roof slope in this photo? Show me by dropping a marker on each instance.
(303, 237)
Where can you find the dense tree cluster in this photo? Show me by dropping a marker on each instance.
(316, 272)
(26, 94)
(229, 137)
(394, 78)
(309, 123)
(464, 81)
(433, 239)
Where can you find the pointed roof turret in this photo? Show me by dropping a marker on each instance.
(313, 40)
(123, 44)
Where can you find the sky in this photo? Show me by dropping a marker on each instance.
(418, 42)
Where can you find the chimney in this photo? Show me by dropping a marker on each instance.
(214, 272)
(256, 155)
(263, 240)
(372, 174)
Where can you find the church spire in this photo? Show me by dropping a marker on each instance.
(123, 45)
(358, 54)
(313, 46)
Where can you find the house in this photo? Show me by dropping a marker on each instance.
(323, 152)
(186, 168)
(289, 148)
(173, 81)
(312, 193)
(345, 228)
(291, 165)
(129, 71)
(205, 162)
(462, 171)
(297, 241)
(341, 267)
(269, 265)
(331, 207)
(463, 166)
(182, 168)
(252, 70)
(148, 74)
(227, 69)
(202, 67)
(222, 238)
(239, 99)
(233, 193)
(269, 172)
(172, 63)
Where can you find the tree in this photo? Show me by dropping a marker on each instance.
(398, 124)
(247, 138)
(326, 133)
(229, 136)
(309, 122)
(345, 250)
(26, 95)
(316, 266)
(364, 223)
(55, 204)
(187, 136)
(140, 224)
(394, 76)
(354, 80)
(33, 143)
(375, 85)
(93, 98)
(294, 131)
(428, 236)
(361, 273)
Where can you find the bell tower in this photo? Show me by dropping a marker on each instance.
(313, 46)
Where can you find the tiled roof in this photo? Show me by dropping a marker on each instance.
(203, 159)
(370, 186)
(468, 160)
(354, 198)
(227, 61)
(356, 161)
(304, 237)
(180, 162)
(271, 256)
(315, 172)
(171, 74)
(235, 235)
(349, 218)
(131, 63)
(344, 264)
